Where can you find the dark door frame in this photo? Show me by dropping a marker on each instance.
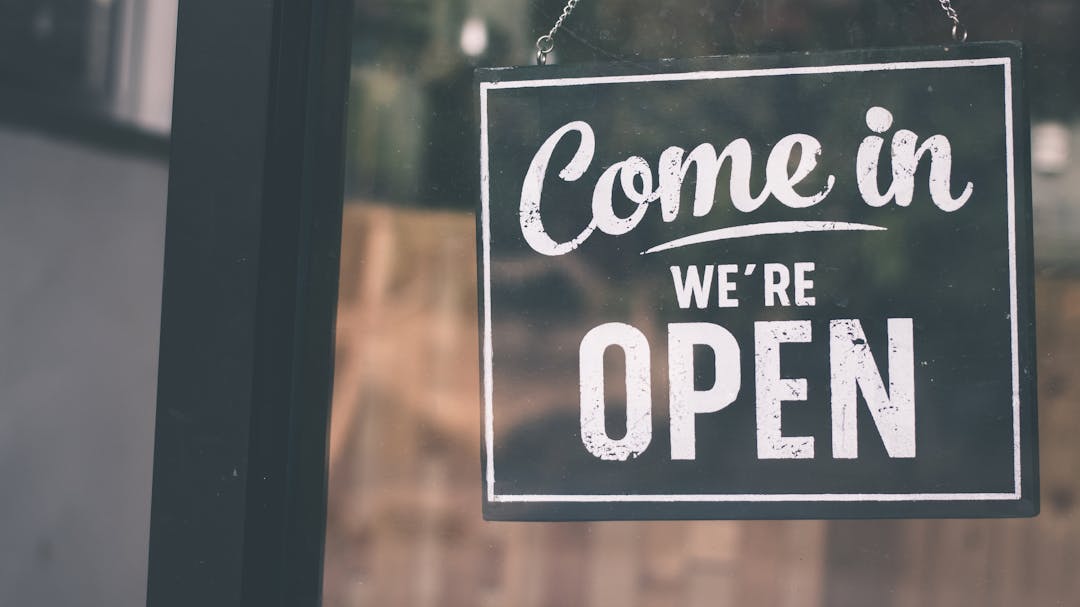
(253, 232)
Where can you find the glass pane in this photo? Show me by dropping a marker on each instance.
(405, 526)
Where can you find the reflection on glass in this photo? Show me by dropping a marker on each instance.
(404, 524)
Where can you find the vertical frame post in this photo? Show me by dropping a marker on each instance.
(253, 234)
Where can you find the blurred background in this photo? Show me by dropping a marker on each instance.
(85, 92)
(85, 102)
(405, 526)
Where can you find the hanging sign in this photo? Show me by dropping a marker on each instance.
(793, 286)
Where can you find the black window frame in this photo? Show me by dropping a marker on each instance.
(253, 231)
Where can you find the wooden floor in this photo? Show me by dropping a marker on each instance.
(405, 527)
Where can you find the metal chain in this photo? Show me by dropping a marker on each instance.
(959, 32)
(546, 43)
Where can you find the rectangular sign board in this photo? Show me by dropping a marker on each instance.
(791, 286)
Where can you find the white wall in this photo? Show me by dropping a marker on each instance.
(81, 245)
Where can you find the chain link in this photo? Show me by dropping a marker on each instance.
(546, 43)
(959, 32)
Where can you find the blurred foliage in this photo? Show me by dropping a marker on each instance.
(412, 115)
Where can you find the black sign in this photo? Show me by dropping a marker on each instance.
(789, 286)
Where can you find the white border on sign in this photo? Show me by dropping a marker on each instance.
(485, 216)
